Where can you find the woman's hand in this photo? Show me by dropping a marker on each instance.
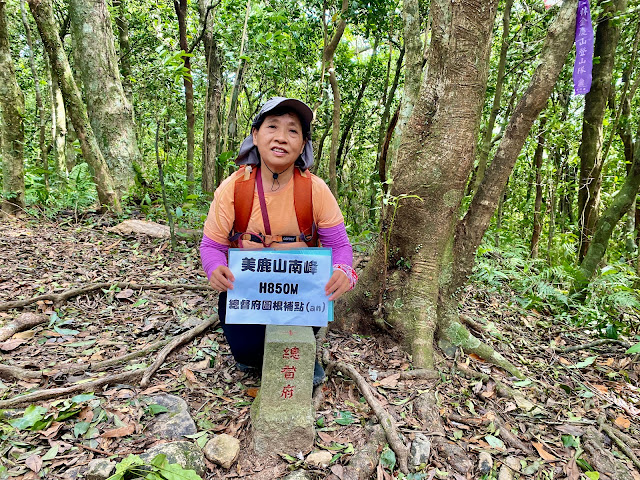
(337, 285)
(221, 279)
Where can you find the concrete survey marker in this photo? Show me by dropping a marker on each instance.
(282, 415)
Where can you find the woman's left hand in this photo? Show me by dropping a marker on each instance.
(337, 285)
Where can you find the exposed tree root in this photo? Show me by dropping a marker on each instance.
(429, 414)
(7, 371)
(606, 428)
(22, 322)
(364, 461)
(601, 459)
(595, 343)
(386, 420)
(58, 298)
(70, 390)
(456, 333)
(423, 373)
(173, 344)
(505, 433)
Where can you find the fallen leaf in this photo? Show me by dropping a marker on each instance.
(189, 375)
(601, 388)
(570, 430)
(253, 391)
(564, 361)
(622, 422)
(52, 430)
(34, 462)
(11, 344)
(126, 293)
(543, 453)
(572, 470)
(477, 357)
(390, 381)
(25, 334)
(119, 432)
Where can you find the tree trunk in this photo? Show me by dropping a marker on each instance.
(42, 120)
(110, 113)
(537, 209)
(11, 116)
(590, 152)
(327, 56)
(181, 11)
(485, 145)
(125, 48)
(215, 88)
(412, 23)
(43, 15)
(58, 127)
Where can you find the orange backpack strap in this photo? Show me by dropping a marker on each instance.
(303, 203)
(243, 197)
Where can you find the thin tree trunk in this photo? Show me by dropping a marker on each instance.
(590, 152)
(43, 15)
(110, 113)
(58, 126)
(485, 144)
(215, 88)
(181, 11)
(537, 209)
(42, 119)
(125, 48)
(12, 135)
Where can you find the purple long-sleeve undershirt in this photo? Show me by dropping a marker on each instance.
(214, 254)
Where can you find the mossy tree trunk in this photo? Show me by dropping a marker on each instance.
(11, 125)
(124, 46)
(43, 14)
(590, 151)
(215, 89)
(58, 128)
(425, 254)
(537, 208)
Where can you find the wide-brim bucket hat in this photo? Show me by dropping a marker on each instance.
(248, 154)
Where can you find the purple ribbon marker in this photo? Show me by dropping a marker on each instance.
(584, 49)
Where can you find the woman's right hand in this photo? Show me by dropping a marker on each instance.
(221, 279)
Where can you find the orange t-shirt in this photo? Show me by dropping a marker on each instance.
(280, 209)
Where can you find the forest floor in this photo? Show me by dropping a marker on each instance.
(567, 400)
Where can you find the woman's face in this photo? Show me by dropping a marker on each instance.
(279, 140)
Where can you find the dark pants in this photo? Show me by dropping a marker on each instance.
(246, 341)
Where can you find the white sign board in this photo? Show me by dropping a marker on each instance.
(280, 287)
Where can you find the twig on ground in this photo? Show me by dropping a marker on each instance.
(173, 344)
(58, 298)
(66, 391)
(487, 419)
(595, 343)
(385, 419)
(606, 428)
(22, 322)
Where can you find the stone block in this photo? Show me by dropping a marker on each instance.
(282, 415)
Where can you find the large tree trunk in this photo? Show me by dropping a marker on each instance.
(181, 11)
(590, 152)
(125, 47)
(11, 124)
(215, 88)
(43, 15)
(110, 113)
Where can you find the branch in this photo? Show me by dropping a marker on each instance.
(66, 295)
(386, 420)
(176, 342)
(204, 27)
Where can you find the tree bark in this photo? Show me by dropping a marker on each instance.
(125, 48)
(537, 209)
(486, 144)
(215, 89)
(414, 59)
(12, 117)
(110, 113)
(43, 15)
(181, 12)
(58, 127)
(590, 152)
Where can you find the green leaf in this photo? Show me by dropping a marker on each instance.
(584, 465)
(80, 428)
(494, 442)
(51, 453)
(141, 301)
(173, 471)
(585, 363)
(570, 441)
(65, 331)
(32, 415)
(155, 409)
(634, 348)
(593, 475)
(388, 458)
(522, 383)
(345, 418)
(83, 397)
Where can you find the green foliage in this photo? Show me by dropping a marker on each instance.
(37, 418)
(158, 469)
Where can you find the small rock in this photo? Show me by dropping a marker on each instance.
(174, 424)
(222, 450)
(319, 458)
(511, 465)
(420, 450)
(485, 463)
(99, 469)
(185, 454)
(298, 475)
